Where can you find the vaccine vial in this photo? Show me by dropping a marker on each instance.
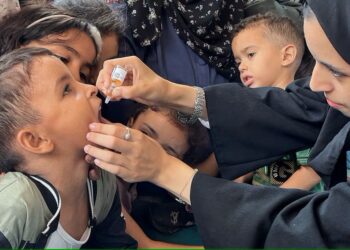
(117, 79)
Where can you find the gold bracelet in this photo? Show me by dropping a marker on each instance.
(180, 198)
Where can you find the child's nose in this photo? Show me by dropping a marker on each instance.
(242, 66)
(91, 90)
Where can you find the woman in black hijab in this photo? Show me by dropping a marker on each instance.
(238, 215)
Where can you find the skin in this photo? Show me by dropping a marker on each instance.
(159, 126)
(331, 74)
(256, 54)
(76, 49)
(66, 108)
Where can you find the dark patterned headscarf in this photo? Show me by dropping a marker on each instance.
(205, 26)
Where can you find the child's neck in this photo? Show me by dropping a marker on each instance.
(67, 174)
(284, 80)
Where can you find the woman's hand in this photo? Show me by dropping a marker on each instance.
(137, 158)
(141, 83)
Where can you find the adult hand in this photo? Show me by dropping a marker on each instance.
(137, 158)
(141, 83)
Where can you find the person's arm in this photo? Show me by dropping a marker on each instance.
(229, 214)
(304, 178)
(245, 123)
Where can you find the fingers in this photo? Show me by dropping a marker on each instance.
(105, 155)
(109, 141)
(114, 129)
(114, 169)
(104, 78)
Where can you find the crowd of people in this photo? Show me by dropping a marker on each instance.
(219, 125)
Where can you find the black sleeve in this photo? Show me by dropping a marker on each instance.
(110, 233)
(4, 243)
(249, 216)
(253, 127)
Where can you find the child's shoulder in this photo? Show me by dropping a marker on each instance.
(15, 185)
(22, 208)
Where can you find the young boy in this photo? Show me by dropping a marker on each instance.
(46, 199)
(268, 50)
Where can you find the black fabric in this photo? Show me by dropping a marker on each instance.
(291, 9)
(330, 173)
(250, 128)
(159, 209)
(204, 25)
(334, 18)
(104, 234)
(257, 217)
(4, 243)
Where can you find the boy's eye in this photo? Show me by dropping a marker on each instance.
(251, 54)
(66, 89)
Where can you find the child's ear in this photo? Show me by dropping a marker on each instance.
(34, 142)
(289, 54)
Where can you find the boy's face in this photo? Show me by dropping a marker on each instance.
(331, 73)
(76, 49)
(258, 59)
(66, 106)
(158, 126)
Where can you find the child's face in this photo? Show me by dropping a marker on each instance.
(158, 126)
(76, 49)
(331, 74)
(65, 105)
(258, 59)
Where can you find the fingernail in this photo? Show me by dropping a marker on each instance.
(86, 148)
(97, 162)
(92, 125)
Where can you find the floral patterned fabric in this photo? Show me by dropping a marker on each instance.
(205, 26)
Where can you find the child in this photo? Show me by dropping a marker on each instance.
(46, 199)
(268, 50)
(190, 143)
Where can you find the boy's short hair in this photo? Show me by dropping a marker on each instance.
(279, 29)
(15, 109)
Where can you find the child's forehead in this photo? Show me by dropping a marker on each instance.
(47, 68)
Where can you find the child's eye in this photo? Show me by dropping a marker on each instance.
(66, 89)
(84, 78)
(251, 54)
(238, 63)
(145, 132)
(65, 60)
(336, 73)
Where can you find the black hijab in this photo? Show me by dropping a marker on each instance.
(206, 26)
(334, 17)
(332, 143)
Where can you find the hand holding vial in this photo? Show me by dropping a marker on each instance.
(117, 78)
